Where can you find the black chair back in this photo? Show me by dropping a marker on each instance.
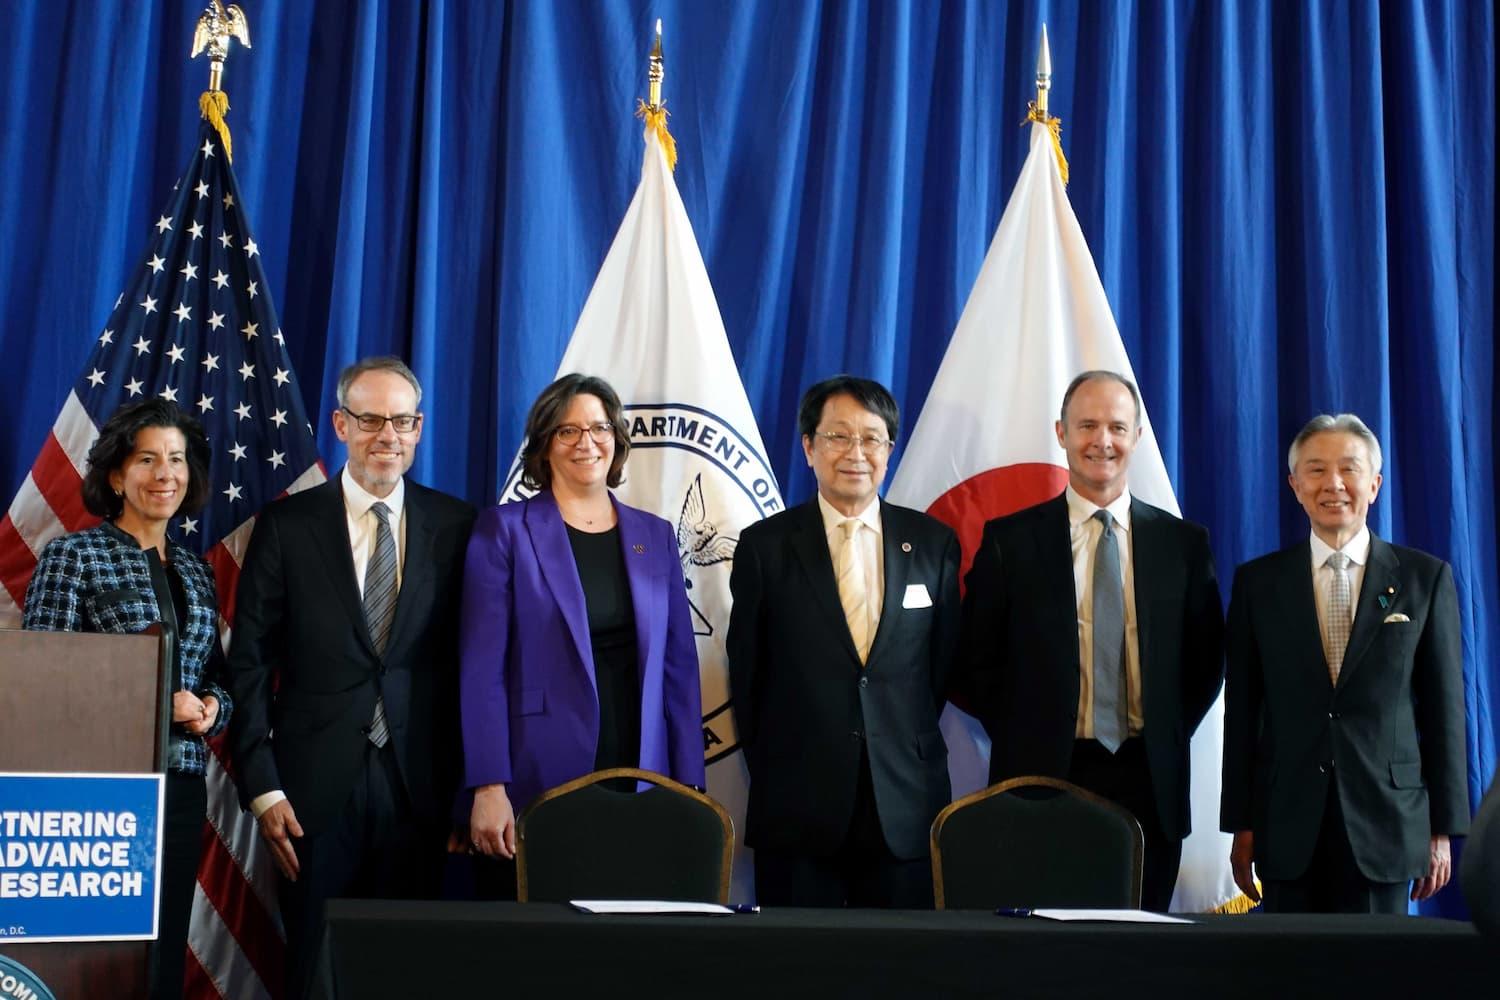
(587, 840)
(1034, 842)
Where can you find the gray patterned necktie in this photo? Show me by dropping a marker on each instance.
(1340, 614)
(1109, 639)
(380, 603)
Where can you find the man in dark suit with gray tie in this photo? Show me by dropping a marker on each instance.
(840, 644)
(1344, 773)
(345, 652)
(1093, 632)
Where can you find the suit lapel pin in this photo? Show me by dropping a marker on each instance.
(638, 549)
(1385, 601)
(906, 546)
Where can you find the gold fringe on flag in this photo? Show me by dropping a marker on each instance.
(214, 104)
(656, 121)
(1054, 125)
(1239, 904)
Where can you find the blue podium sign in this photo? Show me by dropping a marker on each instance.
(79, 856)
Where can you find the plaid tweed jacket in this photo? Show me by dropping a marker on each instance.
(99, 580)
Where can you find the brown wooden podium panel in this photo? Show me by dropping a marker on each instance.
(77, 701)
(80, 702)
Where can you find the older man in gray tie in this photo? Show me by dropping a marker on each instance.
(1093, 628)
(1344, 773)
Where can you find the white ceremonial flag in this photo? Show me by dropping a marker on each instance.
(984, 445)
(651, 328)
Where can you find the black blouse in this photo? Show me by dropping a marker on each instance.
(611, 613)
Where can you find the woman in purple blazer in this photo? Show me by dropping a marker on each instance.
(577, 649)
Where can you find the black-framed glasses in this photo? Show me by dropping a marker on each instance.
(839, 443)
(569, 434)
(371, 423)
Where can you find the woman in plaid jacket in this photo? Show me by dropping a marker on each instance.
(149, 462)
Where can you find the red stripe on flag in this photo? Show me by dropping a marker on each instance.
(16, 561)
(241, 910)
(196, 984)
(58, 481)
(226, 579)
(219, 747)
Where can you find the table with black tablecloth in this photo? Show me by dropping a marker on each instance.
(379, 948)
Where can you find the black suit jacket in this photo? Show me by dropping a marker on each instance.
(1392, 729)
(304, 671)
(1020, 645)
(804, 705)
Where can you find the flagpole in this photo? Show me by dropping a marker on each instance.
(1043, 73)
(652, 109)
(217, 26)
(1036, 111)
(656, 71)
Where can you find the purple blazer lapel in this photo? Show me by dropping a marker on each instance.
(554, 555)
(644, 566)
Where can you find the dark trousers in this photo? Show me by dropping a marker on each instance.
(1124, 777)
(1333, 882)
(375, 849)
(863, 873)
(182, 841)
(495, 878)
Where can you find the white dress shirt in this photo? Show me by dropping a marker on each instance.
(1358, 551)
(1084, 532)
(872, 555)
(363, 525)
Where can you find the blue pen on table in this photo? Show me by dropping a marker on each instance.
(743, 908)
(1011, 911)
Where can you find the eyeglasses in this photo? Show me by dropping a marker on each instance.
(840, 443)
(569, 434)
(371, 423)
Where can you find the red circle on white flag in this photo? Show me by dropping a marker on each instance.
(991, 494)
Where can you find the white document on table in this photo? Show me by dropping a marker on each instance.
(648, 906)
(1110, 916)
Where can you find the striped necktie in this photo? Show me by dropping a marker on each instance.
(380, 603)
(852, 595)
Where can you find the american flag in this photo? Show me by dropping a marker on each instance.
(194, 325)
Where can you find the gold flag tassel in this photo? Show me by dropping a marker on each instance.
(214, 104)
(1054, 126)
(1239, 904)
(656, 121)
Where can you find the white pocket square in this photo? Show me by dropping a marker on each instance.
(1395, 616)
(916, 596)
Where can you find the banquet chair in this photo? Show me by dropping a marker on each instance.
(1036, 842)
(598, 837)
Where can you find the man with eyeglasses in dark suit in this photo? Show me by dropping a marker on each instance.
(345, 651)
(841, 638)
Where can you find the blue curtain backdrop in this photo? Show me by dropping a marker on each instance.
(1291, 206)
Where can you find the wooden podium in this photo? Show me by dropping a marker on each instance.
(84, 702)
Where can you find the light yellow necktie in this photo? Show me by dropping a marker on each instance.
(851, 580)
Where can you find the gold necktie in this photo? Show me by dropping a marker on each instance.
(851, 580)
